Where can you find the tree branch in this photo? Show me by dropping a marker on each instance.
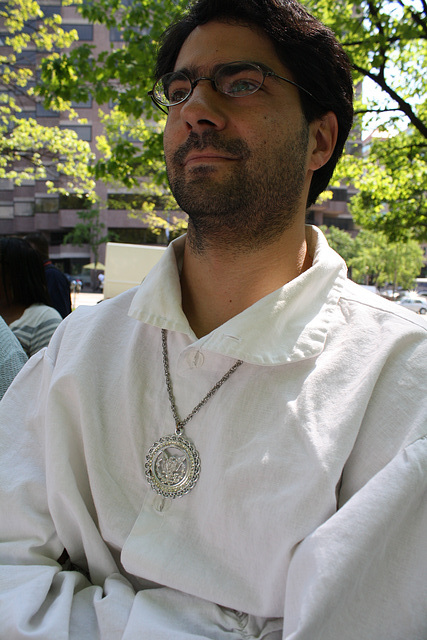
(404, 106)
(359, 112)
(373, 10)
(417, 17)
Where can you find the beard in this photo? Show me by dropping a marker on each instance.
(258, 199)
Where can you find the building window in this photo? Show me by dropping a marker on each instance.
(84, 131)
(6, 184)
(45, 113)
(49, 11)
(87, 104)
(25, 115)
(24, 208)
(26, 58)
(85, 31)
(136, 236)
(46, 204)
(116, 35)
(30, 27)
(56, 238)
(346, 224)
(120, 201)
(6, 211)
(73, 201)
(339, 194)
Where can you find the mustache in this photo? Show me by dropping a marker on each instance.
(212, 140)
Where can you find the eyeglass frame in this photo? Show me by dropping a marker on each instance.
(266, 73)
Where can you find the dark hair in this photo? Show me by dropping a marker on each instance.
(22, 273)
(303, 44)
(40, 243)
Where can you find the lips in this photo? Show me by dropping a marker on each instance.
(209, 147)
(206, 157)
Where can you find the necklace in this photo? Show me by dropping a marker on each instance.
(172, 465)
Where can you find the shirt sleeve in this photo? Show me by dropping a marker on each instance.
(39, 599)
(362, 574)
(12, 358)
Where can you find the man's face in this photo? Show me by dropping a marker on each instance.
(237, 164)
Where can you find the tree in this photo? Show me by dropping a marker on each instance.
(392, 186)
(386, 41)
(374, 260)
(28, 150)
(387, 44)
(131, 146)
(89, 231)
(341, 241)
(380, 262)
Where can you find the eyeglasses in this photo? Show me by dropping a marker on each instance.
(234, 79)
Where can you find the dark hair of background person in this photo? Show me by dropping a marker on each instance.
(40, 243)
(304, 45)
(22, 273)
(58, 285)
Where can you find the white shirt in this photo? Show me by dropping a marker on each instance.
(327, 410)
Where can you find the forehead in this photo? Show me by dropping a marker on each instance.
(218, 42)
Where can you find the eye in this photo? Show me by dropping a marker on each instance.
(238, 81)
(241, 87)
(175, 87)
(177, 92)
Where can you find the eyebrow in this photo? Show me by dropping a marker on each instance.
(193, 71)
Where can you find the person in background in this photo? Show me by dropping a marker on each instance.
(24, 299)
(101, 278)
(57, 282)
(12, 357)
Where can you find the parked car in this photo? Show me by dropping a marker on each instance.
(395, 294)
(417, 304)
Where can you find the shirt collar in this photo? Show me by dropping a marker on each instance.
(287, 325)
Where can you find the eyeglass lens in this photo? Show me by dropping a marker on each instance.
(236, 80)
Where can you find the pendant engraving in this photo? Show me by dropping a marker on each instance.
(172, 466)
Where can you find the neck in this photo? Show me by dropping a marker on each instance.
(221, 282)
(11, 312)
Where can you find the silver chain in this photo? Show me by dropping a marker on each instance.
(180, 424)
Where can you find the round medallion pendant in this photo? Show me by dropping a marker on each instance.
(172, 466)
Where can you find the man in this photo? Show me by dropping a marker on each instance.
(57, 283)
(236, 449)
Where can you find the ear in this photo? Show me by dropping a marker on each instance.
(325, 132)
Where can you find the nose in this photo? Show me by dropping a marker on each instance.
(203, 109)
